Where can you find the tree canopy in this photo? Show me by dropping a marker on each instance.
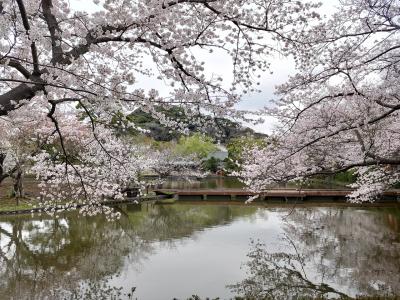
(341, 110)
(57, 58)
(197, 144)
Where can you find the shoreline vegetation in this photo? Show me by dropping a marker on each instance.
(27, 208)
(7, 208)
(10, 205)
(8, 211)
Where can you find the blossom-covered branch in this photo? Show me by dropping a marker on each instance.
(341, 110)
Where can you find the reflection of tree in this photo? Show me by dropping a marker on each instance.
(279, 275)
(43, 257)
(354, 248)
(327, 252)
(168, 222)
(59, 253)
(94, 290)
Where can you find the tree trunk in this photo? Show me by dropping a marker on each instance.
(18, 185)
(2, 174)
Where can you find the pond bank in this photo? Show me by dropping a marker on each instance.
(25, 208)
(162, 199)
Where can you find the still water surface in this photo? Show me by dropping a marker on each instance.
(175, 251)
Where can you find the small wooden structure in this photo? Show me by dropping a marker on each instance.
(132, 192)
(286, 194)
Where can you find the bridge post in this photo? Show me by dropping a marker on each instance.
(204, 197)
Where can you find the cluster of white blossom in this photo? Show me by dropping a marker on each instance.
(341, 110)
(96, 58)
(22, 134)
(171, 163)
(372, 182)
(100, 167)
(77, 166)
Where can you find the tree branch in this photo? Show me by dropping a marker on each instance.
(16, 65)
(9, 100)
(55, 33)
(24, 17)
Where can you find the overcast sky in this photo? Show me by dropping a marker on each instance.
(282, 68)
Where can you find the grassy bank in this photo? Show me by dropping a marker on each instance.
(10, 204)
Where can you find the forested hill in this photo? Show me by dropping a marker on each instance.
(221, 129)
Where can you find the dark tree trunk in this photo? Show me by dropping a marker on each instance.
(3, 175)
(18, 185)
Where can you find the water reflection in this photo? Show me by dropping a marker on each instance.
(355, 248)
(185, 249)
(43, 256)
(280, 275)
(329, 253)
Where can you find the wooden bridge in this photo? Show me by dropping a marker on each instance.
(277, 194)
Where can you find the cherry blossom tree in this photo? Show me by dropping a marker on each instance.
(94, 58)
(171, 163)
(83, 166)
(59, 58)
(104, 168)
(341, 110)
(22, 135)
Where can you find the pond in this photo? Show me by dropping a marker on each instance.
(210, 250)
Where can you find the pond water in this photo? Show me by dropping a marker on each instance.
(180, 250)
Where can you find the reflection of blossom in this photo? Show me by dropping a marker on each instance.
(94, 290)
(327, 252)
(348, 239)
(60, 256)
(279, 275)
